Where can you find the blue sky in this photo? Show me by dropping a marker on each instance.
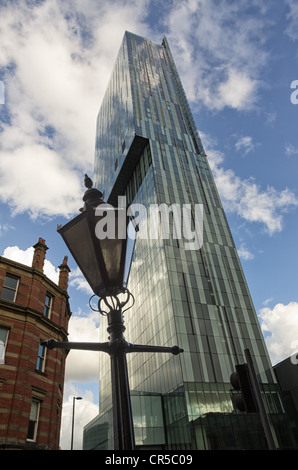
(237, 61)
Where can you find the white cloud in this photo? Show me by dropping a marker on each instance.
(63, 53)
(246, 198)
(85, 411)
(78, 281)
(25, 257)
(58, 57)
(291, 150)
(238, 91)
(292, 18)
(21, 256)
(244, 253)
(244, 144)
(44, 185)
(249, 201)
(5, 228)
(280, 328)
(216, 69)
(82, 366)
(82, 370)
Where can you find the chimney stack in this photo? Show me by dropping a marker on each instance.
(39, 255)
(63, 275)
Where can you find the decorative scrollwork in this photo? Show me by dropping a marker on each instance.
(113, 302)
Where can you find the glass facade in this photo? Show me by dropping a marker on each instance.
(195, 296)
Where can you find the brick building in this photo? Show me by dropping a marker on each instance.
(32, 309)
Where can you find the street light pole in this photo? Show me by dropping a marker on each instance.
(122, 413)
(117, 348)
(73, 414)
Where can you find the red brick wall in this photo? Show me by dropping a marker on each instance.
(19, 380)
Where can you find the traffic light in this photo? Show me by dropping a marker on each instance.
(240, 381)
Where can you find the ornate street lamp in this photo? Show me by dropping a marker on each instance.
(104, 258)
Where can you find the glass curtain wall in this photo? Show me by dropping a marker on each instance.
(149, 150)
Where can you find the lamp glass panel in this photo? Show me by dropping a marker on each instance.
(130, 245)
(98, 241)
(112, 253)
(77, 237)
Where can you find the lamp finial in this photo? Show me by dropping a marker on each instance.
(92, 196)
(88, 182)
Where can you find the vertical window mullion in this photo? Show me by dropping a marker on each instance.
(33, 420)
(47, 306)
(41, 358)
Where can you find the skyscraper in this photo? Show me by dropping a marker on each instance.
(187, 292)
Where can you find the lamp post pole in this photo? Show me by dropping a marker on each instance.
(117, 347)
(122, 413)
(73, 414)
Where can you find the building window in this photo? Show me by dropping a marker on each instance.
(33, 420)
(47, 306)
(40, 364)
(9, 289)
(3, 343)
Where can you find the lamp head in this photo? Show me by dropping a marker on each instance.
(104, 257)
